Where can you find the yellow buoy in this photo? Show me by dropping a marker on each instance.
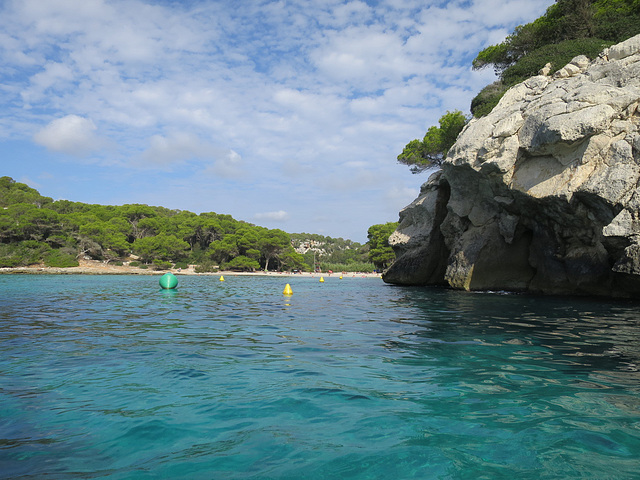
(321, 279)
(221, 278)
(287, 290)
(340, 277)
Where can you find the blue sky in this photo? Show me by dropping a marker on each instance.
(287, 114)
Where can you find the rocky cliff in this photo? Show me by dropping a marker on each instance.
(541, 195)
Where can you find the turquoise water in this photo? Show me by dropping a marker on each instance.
(110, 377)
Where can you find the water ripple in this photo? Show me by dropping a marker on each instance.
(114, 378)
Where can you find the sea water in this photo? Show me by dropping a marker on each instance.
(112, 377)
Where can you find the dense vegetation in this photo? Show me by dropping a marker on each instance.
(380, 251)
(34, 229)
(568, 28)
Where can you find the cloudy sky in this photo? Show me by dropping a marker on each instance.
(287, 114)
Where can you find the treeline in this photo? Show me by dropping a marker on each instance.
(36, 229)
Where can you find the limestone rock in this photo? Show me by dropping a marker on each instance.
(540, 195)
(417, 236)
(625, 49)
(545, 70)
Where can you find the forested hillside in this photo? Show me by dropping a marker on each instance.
(35, 229)
(326, 253)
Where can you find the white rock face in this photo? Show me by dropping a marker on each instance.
(540, 195)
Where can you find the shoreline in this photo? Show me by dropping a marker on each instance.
(99, 268)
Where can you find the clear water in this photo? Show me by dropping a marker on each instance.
(110, 377)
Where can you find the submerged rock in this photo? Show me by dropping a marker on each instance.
(542, 194)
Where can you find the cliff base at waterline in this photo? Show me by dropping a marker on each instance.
(542, 194)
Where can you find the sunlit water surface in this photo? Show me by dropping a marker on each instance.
(111, 377)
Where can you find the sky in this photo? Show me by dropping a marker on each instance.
(286, 114)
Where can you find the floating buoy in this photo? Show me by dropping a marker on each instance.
(287, 290)
(168, 281)
(321, 279)
(221, 278)
(340, 277)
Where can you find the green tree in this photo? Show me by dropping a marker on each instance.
(564, 20)
(18, 254)
(26, 221)
(223, 250)
(292, 260)
(161, 247)
(433, 149)
(247, 241)
(197, 230)
(35, 229)
(66, 207)
(108, 235)
(207, 230)
(272, 244)
(134, 214)
(380, 252)
(243, 263)
(12, 192)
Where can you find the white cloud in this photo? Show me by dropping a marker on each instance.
(279, 216)
(72, 134)
(229, 165)
(173, 149)
(367, 56)
(313, 96)
(171, 152)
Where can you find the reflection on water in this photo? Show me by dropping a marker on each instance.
(581, 334)
(112, 377)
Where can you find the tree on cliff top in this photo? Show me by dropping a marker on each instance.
(432, 150)
(567, 29)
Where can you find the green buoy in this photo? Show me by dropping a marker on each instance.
(168, 280)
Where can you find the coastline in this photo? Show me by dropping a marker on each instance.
(88, 267)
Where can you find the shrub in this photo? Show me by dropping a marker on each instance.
(24, 253)
(558, 54)
(487, 99)
(134, 264)
(181, 265)
(161, 264)
(242, 263)
(60, 259)
(9, 256)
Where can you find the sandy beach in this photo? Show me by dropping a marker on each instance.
(92, 267)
